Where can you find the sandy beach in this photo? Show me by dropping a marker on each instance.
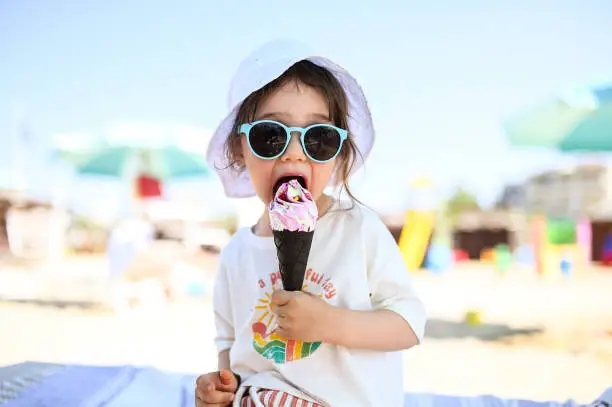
(543, 339)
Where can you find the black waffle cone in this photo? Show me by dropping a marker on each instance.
(292, 250)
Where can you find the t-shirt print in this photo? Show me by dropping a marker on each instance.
(266, 341)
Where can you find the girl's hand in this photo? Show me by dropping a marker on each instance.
(302, 316)
(216, 389)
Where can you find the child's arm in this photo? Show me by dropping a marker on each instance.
(308, 318)
(379, 329)
(224, 324)
(219, 387)
(224, 365)
(398, 318)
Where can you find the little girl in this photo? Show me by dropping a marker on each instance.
(336, 342)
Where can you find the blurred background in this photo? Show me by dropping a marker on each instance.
(492, 169)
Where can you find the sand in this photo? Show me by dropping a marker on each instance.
(543, 339)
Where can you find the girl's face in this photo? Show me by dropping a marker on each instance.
(295, 105)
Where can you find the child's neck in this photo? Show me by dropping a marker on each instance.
(262, 227)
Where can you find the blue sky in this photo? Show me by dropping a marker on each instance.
(440, 75)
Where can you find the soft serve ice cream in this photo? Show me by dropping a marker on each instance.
(293, 208)
(293, 217)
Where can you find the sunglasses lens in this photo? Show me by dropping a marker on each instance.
(322, 143)
(267, 139)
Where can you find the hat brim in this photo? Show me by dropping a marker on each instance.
(361, 129)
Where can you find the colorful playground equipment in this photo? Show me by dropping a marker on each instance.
(419, 222)
(415, 237)
(561, 246)
(421, 241)
(556, 247)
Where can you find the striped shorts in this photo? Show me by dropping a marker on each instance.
(256, 397)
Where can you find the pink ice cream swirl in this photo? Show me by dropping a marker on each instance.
(293, 208)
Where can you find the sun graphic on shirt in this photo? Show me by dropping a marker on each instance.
(268, 317)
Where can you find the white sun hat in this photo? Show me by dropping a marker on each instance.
(258, 69)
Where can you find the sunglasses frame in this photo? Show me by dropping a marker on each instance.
(245, 129)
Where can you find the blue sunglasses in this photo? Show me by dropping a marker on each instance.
(269, 139)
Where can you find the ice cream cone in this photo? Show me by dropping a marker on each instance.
(292, 249)
(293, 216)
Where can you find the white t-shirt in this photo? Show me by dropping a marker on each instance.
(354, 263)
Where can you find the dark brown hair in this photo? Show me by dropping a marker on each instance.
(309, 74)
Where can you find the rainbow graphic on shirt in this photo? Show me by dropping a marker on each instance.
(280, 350)
(266, 341)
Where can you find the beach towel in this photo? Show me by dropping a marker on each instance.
(49, 385)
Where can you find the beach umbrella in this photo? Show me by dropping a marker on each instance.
(123, 161)
(578, 122)
(140, 165)
(165, 162)
(142, 169)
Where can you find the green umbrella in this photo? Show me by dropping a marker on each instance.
(163, 162)
(566, 126)
(168, 162)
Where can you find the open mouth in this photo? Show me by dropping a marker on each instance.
(288, 178)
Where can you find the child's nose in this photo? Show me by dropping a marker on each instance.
(294, 151)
